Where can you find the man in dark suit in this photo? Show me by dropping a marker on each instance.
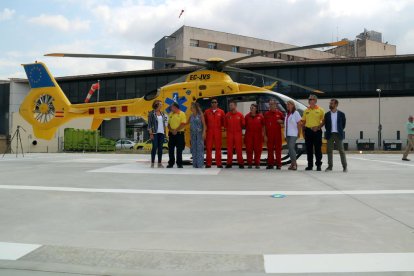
(335, 122)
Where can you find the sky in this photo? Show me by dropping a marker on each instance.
(31, 28)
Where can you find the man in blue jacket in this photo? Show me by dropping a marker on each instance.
(335, 122)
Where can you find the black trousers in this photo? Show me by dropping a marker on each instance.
(313, 142)
(176, 142)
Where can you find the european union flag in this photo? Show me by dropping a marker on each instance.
(38, 76)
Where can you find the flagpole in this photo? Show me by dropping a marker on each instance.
(96, 133)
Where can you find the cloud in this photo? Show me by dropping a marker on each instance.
(6, 14)
(61, 23)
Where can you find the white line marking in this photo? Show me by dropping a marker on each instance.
(330, 263)
(382, 161)
(203, 192)
(13, 251)
(140, 169)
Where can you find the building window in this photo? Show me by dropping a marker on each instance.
(235, 49)
(194, 43)
(249, 52)
(212, 45)
(194, 59)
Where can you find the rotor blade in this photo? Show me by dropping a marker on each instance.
(234, 60)
(161, 59)
(239, 70)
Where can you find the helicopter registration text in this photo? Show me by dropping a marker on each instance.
(200, 77)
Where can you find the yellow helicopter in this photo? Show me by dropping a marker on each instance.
(46, 107)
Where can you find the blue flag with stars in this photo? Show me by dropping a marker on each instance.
(38, 76)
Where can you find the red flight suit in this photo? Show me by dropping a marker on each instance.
(253, 138)
(274, 137)
(234, 123)
(215, 122)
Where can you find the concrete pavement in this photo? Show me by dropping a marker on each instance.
(109, 214)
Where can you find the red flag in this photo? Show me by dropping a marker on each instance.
(94, 87)
(182, 11)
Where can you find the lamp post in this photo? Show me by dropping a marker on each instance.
(379, 118)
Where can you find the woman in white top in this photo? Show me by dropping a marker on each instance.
(292, 127)
(157, 123)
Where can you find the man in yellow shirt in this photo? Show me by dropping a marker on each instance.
(176, 124)
(313, 119)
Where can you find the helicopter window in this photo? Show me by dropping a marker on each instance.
(205, 103)
(152, 95)
(243, 102)
(263, 103)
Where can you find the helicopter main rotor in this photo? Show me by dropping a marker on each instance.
(215, 64)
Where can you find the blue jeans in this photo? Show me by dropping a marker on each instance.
(157, 143)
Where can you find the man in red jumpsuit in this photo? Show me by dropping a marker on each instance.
(214, 118)
(253, 138)
(234, 123)
(273, 125)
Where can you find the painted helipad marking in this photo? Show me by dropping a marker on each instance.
(382, 161)
(145, 169)
(203, 192)
(331, 263)
(13, 251)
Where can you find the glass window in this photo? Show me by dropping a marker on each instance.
(194, 43)
(409, 76)
(74, 92)
(339, 78)
(130, 88)
(162, 80)
(397, 76)
(382, 76)
(151, 83)
(353, 78)
(140, 87)
(109, 94)
(120, 89)
(212, 45)
(235, 49)
(249, 52)
(325, 78)
(367, 78)
(311, 76)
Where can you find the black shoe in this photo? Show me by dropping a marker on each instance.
(208, 167)
(269, 168)
(405, 159)
(241, 166)
(328, 169)
(278, 167)
(220, 167)
(249, 167)
(180, 166)
(257, 167)
(345, 170)
(170, 166)
(228, 166)
(308, 168)
(318, 168)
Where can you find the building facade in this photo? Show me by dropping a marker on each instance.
(190, 43)
(354, 81)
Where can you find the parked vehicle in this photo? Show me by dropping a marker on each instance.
(147, 145)
(124, 144)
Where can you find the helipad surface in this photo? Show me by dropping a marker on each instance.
(111, 214)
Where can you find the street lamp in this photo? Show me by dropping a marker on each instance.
(379, 118)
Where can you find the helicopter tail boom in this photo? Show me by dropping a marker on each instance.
(46, 106)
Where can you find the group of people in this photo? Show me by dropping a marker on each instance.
(206, 131)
